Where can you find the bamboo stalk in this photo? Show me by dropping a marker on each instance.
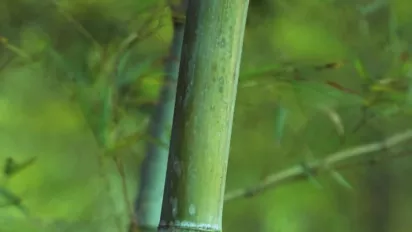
(153, 172)
(202, 123)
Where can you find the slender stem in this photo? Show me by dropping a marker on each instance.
(336, 160)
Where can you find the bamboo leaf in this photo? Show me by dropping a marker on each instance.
(12, 200)
(135, 72)
(360, 69)
(335, 119)
(341, 180)
(309, 174)
(12, 168)
(10, 197)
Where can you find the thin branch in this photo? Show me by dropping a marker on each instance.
(79, 27)
(120, 168)
(139, 35)
(336, 160)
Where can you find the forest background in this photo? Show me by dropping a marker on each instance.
(317, 76)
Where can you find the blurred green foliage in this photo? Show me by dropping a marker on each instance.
(79, 78)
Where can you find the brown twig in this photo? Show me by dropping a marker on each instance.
(336, 160)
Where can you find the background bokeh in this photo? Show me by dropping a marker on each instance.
(57, 62)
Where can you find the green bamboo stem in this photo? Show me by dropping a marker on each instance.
(202, 123)
(153, 172)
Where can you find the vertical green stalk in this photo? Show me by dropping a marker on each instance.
(202, 123)
(153, 171)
